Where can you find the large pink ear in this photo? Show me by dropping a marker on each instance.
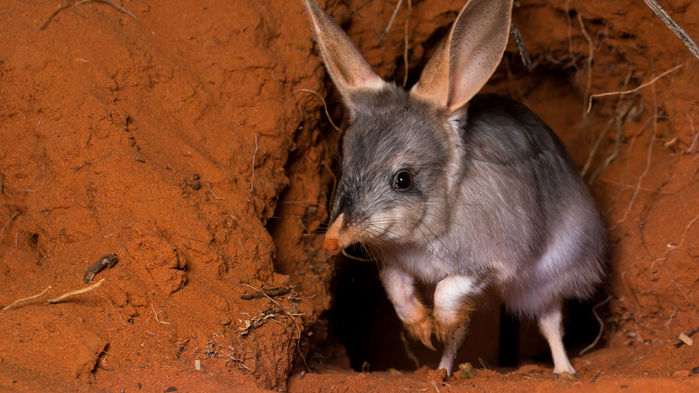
(346, 66)
(468, 56)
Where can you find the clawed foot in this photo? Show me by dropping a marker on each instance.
(421, 329)
(565, 376)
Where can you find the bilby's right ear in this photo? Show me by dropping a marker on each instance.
(468, 56)
(346, 66)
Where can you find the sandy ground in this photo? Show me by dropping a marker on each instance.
(185, 138)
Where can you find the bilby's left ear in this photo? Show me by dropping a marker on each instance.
(468, 56)
(346, 66)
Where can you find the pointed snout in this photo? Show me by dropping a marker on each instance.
(338, 236)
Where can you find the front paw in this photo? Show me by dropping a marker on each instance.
(421, 329)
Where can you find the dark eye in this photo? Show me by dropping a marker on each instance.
(403, 180)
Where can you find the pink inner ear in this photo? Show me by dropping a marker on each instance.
(478, 41)
(345, 64)
(433, 85)
(468, 56)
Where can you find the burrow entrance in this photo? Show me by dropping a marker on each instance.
(364, 322)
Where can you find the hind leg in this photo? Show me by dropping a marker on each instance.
(550, 326)
(451, 347)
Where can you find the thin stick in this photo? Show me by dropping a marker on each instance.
(672, 25)
(611, 93)
(694, 134)
(595, 146)
(325, 105)
(156, 316)
(601, 325)
(612, 156)
(12, 217)
(110, 3)
(619, 134)
(354, 11)
(390, 22)
(287, 313)
(252, 167)
(672, 247)
(405, 41)
(523, 53)
(570, 27)
(26, 299)
(75, 292)
(213, 193)
(408, 351)
(590, 56)
(648, 161)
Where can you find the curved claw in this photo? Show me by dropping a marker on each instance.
(422, 330)
(427, 341)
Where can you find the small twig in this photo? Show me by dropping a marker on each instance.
(211, 190)
(590, 56)
(612, 156)
(648, 161)
(409, 352)
(672, 25)
(325, 105)
(595, 146)
(630, 291)
(287, 313)
(570, 28)
(620, 115)
(672, 316)
(694, 134)
(390, 22)
(26, 299)
(354, 11)
(75, 292)
(436, 387)
(405, 41)
(523, 53)
(108, 2)
(601, 325)
(611, 93)
(252, 167)
(672, 247)
(12, 217)
(686, 338)
(273, 292)
(156, 316)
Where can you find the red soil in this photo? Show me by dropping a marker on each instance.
(181, 142)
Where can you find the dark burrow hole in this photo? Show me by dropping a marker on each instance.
(362, 321)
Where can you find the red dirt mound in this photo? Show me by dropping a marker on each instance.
(190, 139)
